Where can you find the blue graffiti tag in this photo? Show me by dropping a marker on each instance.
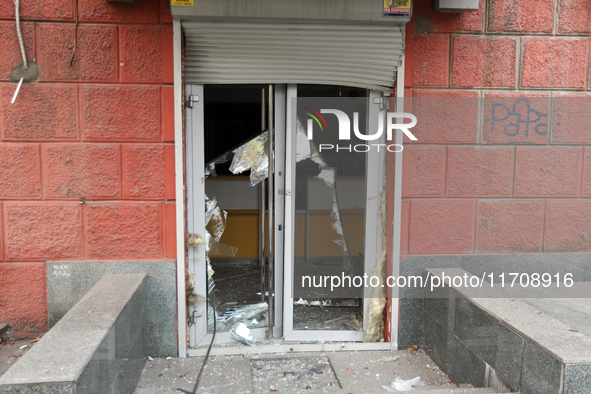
(513, 129)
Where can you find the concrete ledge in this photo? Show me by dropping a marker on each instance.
(468, 333)
(100, 345)
(409, 329)
(69, 281)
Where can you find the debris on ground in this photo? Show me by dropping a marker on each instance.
(354, 371)
(242, 333)
(293, 373)
(388, 359)
(403, 385)
(12, 350)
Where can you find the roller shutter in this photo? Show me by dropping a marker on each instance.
(363, 56)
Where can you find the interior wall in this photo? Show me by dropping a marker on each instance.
(86, 154)
(241, 202)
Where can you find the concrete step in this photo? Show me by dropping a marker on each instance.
(98, 346)
(533, 345)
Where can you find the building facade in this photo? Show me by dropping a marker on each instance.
(87, 163)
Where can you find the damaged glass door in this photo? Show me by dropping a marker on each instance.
(230, 153)
(334, 198)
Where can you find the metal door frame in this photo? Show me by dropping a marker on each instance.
(195, 192)
(375, 164)
(180, 132)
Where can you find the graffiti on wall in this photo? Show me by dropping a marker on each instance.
(516, 118)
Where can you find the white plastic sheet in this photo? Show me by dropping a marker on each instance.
(403, 385)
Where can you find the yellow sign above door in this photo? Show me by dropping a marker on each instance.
(182, 2)
(396, 8)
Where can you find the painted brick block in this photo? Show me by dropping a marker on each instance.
(167, 54)
(515, 118)
(19, 171)
(165, 12)
(445, 117)
(442, 226)
(572, 117)
(170, 172)
(103, 11)
(424, 171)
(42, 231)
(81, 171)
(1, 233)
(39, 10)
(95, 58)
(129, 113)
(145, 170)
(548, 172)
(574, 16)
(483, 62)
(10, 51)
(510, 226)
(533, 16)
(146, 54)
(554, 63)
(44, 112)
(170, 229)
(23, 299)
(567, 226)
(427, 20)
(586, 192)
(479, 172)
(430, 66)
(167, 114)
(123, 230)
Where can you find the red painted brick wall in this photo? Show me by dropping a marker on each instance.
(470, 185)
(86, 154)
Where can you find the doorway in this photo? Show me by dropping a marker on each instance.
(256, 235)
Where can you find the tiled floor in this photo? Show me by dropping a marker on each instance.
(355, 372)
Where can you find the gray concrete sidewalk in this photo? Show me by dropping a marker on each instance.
(11, 351)
(355, 372)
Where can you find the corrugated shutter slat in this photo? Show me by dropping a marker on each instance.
(234, 52)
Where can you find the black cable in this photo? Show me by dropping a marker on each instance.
(206, 354)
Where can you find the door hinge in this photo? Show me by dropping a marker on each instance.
(382, 101)
(192, 99)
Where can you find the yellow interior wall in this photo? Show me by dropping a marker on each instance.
(322, 236)
(242, 231)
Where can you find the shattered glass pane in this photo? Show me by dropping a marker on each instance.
(331, 200)
(328, 176)
(260, 171)
(210, 167)
(215, 219)
(233, 145)
(253, 156)
(302, 143)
